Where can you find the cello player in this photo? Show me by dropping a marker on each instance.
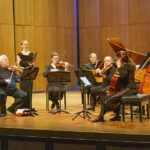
(128, 87)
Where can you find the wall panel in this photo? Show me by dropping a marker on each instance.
(139, 22)
(89, 29)
(6, 30)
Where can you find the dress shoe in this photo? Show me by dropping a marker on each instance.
(91, 108)
(57, 106)
(116, 118)
(3, 114)
(53, 105)
(98, 119)
(11, 110)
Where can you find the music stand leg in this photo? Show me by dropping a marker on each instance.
(59, 111)
(85, 112)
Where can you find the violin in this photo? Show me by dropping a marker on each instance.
(60, 65)
(15, 68)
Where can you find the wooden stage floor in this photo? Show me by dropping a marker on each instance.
(61, 124)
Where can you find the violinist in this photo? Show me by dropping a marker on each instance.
(92, 65)
(8, 87)
(127, 87)
(107, 72)
(53, 88)
(24, 60)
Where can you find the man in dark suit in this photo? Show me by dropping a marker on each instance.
(8, 88)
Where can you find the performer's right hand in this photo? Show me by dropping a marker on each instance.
(137, 67)
(8, 81)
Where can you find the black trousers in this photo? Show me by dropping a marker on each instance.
(112, 102)
(27, 86)
(55, 92)
(18, 94)
(97, 91)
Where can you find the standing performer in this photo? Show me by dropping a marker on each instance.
(8, 87)
(127, 87)
(24, 59)
(53, 88)
(107, 72)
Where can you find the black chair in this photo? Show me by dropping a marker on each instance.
(47, 100)
(135, 100)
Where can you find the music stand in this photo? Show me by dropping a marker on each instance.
(30, 74)
(59, 77)
(89, 76)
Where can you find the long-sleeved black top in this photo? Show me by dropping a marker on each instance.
(126, 73)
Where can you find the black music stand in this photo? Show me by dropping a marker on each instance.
(89, 76)
(30, 74)
(59, 77)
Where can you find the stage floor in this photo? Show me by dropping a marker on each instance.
(61, 124)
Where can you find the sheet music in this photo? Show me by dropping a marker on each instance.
(85, 81)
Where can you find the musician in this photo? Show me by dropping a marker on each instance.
(53, 88)
(127, 87)
(107, 72)
(144, 61)
(24, 60)
(92, 65)
(8, 87)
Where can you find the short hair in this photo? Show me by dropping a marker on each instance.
(2, 57)
(108, 58)
(92, 54)
(54, 54)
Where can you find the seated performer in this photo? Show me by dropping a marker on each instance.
(53, 88)
(143, 61)
(8, 87)
(107, 73)
(92, 65)
(127, 87)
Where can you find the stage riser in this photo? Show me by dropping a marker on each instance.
(8, 142)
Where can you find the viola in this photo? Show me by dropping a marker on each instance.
(107, 68)
(15, 68)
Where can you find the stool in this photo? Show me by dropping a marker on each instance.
(135, 100)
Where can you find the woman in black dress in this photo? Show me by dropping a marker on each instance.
(24, 59)
(127, 87)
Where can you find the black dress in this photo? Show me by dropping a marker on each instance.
(53, 88)
(26, 85)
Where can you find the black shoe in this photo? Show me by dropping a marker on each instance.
(98, 119)
(57, 106)
(91, 108)
(11, 110)
(53, 105)
(3, 114)
(116, 118)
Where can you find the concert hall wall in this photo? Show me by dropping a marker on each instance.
(51, 25)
